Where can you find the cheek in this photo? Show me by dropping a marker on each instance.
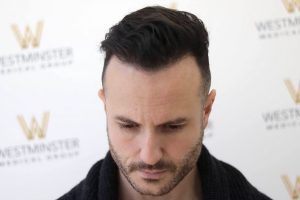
(177, 147)
(123, 144)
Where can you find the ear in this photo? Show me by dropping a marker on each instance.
(208, 106)
(101, 95)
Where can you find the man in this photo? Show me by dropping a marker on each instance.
(157, 98)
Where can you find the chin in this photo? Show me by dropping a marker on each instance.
(148, 187)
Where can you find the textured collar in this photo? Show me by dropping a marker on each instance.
(108, 179)
(213, 181)
(219, 181)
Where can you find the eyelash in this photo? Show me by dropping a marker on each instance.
(166, 128)
(127, 126)
(174, 126)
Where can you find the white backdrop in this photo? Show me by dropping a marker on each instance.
(50, 71)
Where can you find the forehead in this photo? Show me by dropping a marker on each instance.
(184, 73)
(128, 84)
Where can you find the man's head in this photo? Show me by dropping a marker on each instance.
(153, 37)
(156, 79)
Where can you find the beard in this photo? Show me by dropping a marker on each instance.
(178, 171)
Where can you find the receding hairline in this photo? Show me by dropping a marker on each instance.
(203, 88)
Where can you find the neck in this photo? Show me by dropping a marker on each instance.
(188, 188)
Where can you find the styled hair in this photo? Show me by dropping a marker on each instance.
(154, 37)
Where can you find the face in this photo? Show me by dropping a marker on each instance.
(155, 122)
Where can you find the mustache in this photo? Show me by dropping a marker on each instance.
(161, 165)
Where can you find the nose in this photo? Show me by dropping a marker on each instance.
(151, 149)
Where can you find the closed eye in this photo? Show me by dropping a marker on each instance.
(172, 127)
(128, 126)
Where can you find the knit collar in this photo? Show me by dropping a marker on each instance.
(214, 183)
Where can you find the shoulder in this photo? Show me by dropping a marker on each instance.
(87, 186)
(223, 181)
(239, 186)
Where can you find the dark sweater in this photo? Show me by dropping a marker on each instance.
(220, 181)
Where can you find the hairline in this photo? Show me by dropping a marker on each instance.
(204, 82)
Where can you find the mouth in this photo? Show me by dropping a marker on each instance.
(152, 174)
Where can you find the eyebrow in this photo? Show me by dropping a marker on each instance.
(125, 120)
(180, 120)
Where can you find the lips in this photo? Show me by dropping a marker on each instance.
(152, 174)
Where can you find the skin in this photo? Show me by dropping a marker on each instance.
(155, 123)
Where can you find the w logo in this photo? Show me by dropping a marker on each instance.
(295, 93)
(294, 191)
(291, 5)
(35, 129)
(28, 37)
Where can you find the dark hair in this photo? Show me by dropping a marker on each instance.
(154, 37)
